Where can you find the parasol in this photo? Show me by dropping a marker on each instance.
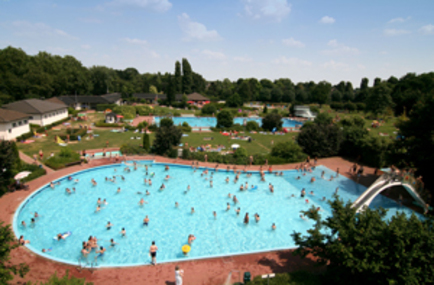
(21, 175)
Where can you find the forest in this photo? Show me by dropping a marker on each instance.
(45, 75)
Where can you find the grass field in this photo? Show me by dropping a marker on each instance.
(259, 144)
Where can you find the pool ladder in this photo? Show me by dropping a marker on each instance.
(83, 266)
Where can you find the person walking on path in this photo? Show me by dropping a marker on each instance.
(251, 160)
(153, 252)
(179, 274)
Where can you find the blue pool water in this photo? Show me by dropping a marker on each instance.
(212, 121)
(169, 226)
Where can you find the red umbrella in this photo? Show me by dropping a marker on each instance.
(119, 116)
(206, 102)
(190, 102)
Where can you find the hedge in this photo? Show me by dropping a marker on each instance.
(35, 169)
(59, 160)
(73, 134)
(102, 124)
(103, 107)
(130, 149)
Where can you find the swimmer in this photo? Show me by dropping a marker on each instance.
(98, 208)
(166, 168)
(177, 205)
(271, 187)
(241, 187)
(167, 177)
(302, 216)
(123, 232)
(112, 243)
(150, 182)
(322, 174)
(337, 172)
(227, 180)
(73, 189)
(191, 238)
(318, 209)
(119, 190)
(162, 187)
(99, 201)
(59, 237)
(337, 189)
(246, 186)
(23, 224)
(323, 199)
(331, 178)
(100, 252)
(192, 210)
(210, 183)
(94, 182)
(228, 206)
(109, 225)
(312, 180)
(188, 188)
(298, 178)
(303, 193)
(273, 227)
(52, 185)
(238, 211)
(84, 252)
(146, 181)
(22, 241)
(32, 222)
(142, 202)
(311, 193)
(146, 221)
(281, 173)
(122, 177)
(147, 192)
(214, 214)
(104, 202)
(36, 215)
(46, 250)
(235, 199)
(229, 195)
(257, 218)
(307, 201)
(246, 218)
(68, 191)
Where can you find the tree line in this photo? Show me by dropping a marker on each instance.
(45, 75)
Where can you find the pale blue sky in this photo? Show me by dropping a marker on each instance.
(298, 39)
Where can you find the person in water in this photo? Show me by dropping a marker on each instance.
(112, 243)
(257, 218)
(109, 225)
(124, 232)
(100, 252)
(246, 219)
(273, 227)
(191, 238)
(228, 207)
(146, 221)
(303, 193)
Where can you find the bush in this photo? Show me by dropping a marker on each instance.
(166, 137)
(65, 156)
(186, 128)
(337, 106)
(289, 151)
(320, 140)
(72, 111)
(240, 153)
(146, 142)
(25, 136)
(130, 149)
(103, 107)
(314, 109)
(209, 109)
(224, 119)
(350, 106)
(143, 110)
(129, 112)
(102, 124)
(186, 153)
(35, 169)
(361, 106)
(73, 134)
(265, 111)
(252, 126)
(272, 121)
(166, 122)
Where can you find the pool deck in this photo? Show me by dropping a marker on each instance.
(207, 272)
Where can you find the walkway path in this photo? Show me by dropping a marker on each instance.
(27, 159)
(206, 272)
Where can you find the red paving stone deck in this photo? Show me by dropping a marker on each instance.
(207, 272)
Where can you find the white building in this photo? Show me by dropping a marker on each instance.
(13, 124)
(304, 112)
(40, 112)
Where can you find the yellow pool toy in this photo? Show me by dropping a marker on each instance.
(186, 248)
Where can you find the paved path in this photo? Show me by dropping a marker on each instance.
(27, 159)
(198, 272)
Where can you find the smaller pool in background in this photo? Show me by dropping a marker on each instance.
(212, 121)
(107, 154)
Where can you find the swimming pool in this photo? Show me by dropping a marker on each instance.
(170, 226)
(212, 121)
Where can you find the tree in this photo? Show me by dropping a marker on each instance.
(209, 109)
(234, 101)
(367, 248)
(252, 126)
(187, 77)
(336, 96)
(320, 140)
(146, 142)
(271, 121)
(170, 90)
(166, 122)
(379, 99)
(364, 90)
(8, 243)
(289, 150)
(178, 78)
(153, 89)
(224, 119)
(276, 95)
(320, 93)
(9, 162)
(244, 91)
(166, 137)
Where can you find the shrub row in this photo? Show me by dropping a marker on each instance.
(130, 149)
(102, 124)
(73, 134)
(348, 106)
(65, 156)
(103, 107)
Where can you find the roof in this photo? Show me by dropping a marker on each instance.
(197, 97)
(33, 106)
(11, 115)
(111, 114)
(112, 97)
(56, 100)
(150, 96)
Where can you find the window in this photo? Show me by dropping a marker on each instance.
(10, 130)
(20, 123)
(25, 121)
(14, 125)
(31, 118)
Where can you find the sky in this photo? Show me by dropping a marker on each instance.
(304, 40)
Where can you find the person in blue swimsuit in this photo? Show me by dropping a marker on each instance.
(100, 252)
